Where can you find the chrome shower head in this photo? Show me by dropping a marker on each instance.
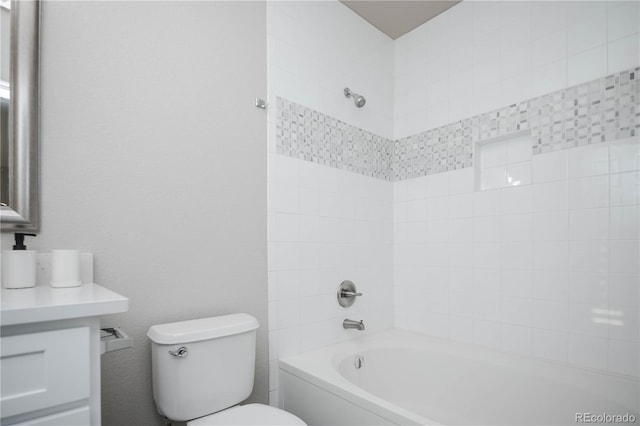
(358, 100)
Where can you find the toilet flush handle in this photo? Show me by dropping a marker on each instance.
(181, 352)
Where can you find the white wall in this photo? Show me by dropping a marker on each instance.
(482, 55)
(154, 159)
(326, 225)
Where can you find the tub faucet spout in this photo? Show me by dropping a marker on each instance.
(349, 324)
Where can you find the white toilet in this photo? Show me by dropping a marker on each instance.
(203, 368)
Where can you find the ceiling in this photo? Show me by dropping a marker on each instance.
(397, 17)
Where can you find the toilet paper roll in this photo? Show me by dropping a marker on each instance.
(18, 268)
(65, 268)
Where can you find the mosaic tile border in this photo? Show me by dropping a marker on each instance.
(310, 135)
(601, 110)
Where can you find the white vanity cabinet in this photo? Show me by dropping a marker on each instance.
(50, 353)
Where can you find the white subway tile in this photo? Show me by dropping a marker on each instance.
(416, 210)
(623, 20)
(551, 285)
(551, 255)
(486, 17)
(625, 222)
(550, 196)
(515, 34)
(550, 344)
(588, 320)
(517, 227)
(486, 281)
(624, 155)
(438, 207)
(515, 61)
(517, 199)
(625, 189)
(549, 78)
(589, 224)
(550, 166)
(517, 254)
(547, 18)
(486, 228)
(587, 65)
(437, 185)
(288, 342)
(461, 254)
(623, 53)
(461, 181)
(586, 34)
(437, 231)
(550, 315)
(592, 256)
(517, 311)
(581, 11)
(416, 188)
(589, 288)
(517, 283)
(487, 47)
(624, 290)
(589, 192)
(487, 203)
(625, 256)
(550, 48)
(624, 357)
(461, 205)
(288, 314)
(551, 226)
(589, 160)
(486, 255)
(588, 351)
(517, 339)
(461, 230)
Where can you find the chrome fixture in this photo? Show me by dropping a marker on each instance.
(359, 100)
(261, 103)
(351, 324)
(347, 293)
(358, 362)
(181, 352)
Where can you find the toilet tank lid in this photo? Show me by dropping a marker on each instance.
(201, 329)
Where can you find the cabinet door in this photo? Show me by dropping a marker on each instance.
(42, 370)
(77, 417)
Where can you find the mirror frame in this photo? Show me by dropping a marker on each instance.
(23, 211)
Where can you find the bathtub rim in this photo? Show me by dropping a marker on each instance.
(309, 366)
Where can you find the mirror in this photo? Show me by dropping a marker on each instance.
(19, 81)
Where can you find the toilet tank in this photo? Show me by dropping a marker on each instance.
(215, 372)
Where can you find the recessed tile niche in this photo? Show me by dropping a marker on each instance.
(504, 162)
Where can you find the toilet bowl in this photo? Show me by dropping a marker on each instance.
(250, 414)
(203, 368)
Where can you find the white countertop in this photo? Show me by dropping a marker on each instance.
(45, 303)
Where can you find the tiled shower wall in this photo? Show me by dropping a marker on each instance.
(449, 242)
(329, 220)
(548, 269)
(483, 55)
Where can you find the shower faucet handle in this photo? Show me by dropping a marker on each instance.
(347, 293)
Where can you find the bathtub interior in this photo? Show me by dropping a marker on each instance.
(459, 390)
(404, 375)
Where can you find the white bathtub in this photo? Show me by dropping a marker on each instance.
(410, 378)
